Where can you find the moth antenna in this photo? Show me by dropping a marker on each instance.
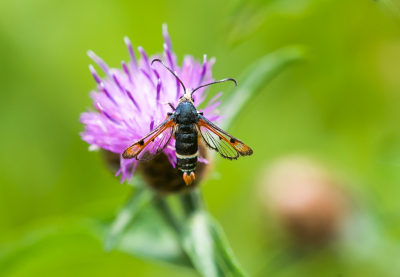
(216, 82)
(170, 70)
(167, 103)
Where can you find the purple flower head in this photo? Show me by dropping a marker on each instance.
(129, 102)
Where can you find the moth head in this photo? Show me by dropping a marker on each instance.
(187, 97)
(188, 93)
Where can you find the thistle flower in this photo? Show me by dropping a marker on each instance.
(129, 102)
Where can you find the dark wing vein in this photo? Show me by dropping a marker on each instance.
(152, 144)
(217, 139)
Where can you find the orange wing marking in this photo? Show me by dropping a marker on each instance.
(241, 148)
(135, 149)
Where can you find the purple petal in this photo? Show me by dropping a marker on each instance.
(132, 99)
(145, 58)
(105, 90)
(107, 114)
(126, 70)
(169, 56)
(212, 107)
(158, 89)
(215, 98)
(171, 158)
(155, 72)
(98, 61)
(135, 164)
(94, 73)
(203, 70)
(131, 52)
(166, 36)
(117, 82)
(215, 117)
(147, 76)
(202, 160)
(152, 124)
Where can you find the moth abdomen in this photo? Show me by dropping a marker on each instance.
(186, 150)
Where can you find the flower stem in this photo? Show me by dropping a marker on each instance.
(191, 202)
(204, 241)
(164, 208)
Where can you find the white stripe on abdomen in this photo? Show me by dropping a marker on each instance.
(186, 156)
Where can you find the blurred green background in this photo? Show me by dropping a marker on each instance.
(340, 106)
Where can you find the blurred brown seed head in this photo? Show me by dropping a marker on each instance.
(159, 174)
(309, 204)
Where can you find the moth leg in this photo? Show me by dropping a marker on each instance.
(165, 103)
(172, 106)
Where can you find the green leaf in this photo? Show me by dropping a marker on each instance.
(50, 241)
(223, 249)
(255, 77)
(390, 7)
(140, 230)
(248, 17)
(199, 245)
(204, 241)
(207, 247)
(150, 237)
(138, 199)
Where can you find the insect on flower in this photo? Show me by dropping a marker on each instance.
(187, 126)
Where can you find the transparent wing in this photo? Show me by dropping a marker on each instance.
(217, 139)
(152, 144)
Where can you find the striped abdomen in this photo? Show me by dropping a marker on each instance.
(186, 149)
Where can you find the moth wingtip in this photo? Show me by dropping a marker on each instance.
(127, 154)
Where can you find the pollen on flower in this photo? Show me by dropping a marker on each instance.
(127, 101)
